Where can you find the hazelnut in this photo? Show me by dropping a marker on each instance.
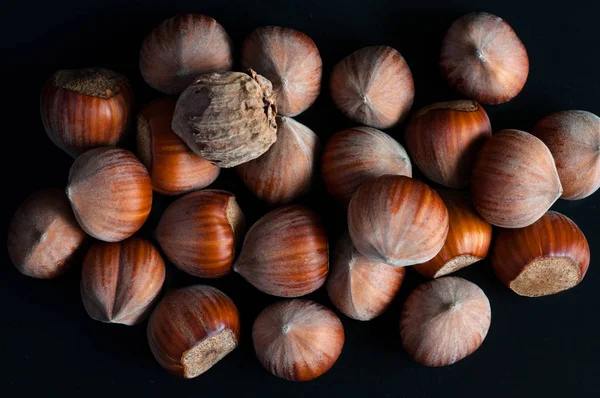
(358, 155)
(443, 140)
(285, 253)
(297, 340)
(444, 321)
(573, 137)
(174, 168)
(86, 108)
(290, 60)
(361, 288)
(227, 118)
(468, 241)
(198, 232)
(373, 86)
(483, 58)
(110, 192)
(287, 170)
(182, 48)
(120, 281)
(192, 329)
(514, 179)
(44, 238)
(397, 220)
(546, 257)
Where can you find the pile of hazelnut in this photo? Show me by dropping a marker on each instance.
(215, 118)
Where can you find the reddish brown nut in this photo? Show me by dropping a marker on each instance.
(110, 192)
(514, 179)
(192, 329)
(468, 241)
(227, 118)
(182, 48)
(373, 86)
(198, 232)
(483, 58)
(44, 237)
(86, 108)
(290, 60)
(547, 257)
(573, 137)
(358, 155)
(361, 288)
(443, 140)
(444, 321)
(174, 168)
(397, 220)
(285, 253)
(297, 340)
(121, 281)
(287, 170)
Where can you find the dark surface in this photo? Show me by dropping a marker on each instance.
(49, 346)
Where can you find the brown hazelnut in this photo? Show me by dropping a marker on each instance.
(483, 58)
(287, 170)
(110, 192)
(443, 140)
(297, 340)
(358, 155)
(468, 241)
(86, 108)
(290, 60)
(285, 253)
(573, 137)
(546, 257)
(514, 179)
(120, 281)
(361, 288)
(373, 86)
(182, 48)
(192, 329)
(397, 220)
(44, 237)
(174, 168)
(227, 118)
(444, 321)
(198, 232)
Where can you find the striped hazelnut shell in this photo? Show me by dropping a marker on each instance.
(285, 253)
(290, 60)
(110, 192)
(287, 170)
(44, 237)
(174, 168)
(181, 48)
(483, 59)
(468, 241)
(443, 140)
(444, 321)
(397, 220)
(573, 137)
(86, 108)
(361, 288)
(120, 281)
(373, 86)
(546, 257)
(514, 179)
(354, 156)
(192, 329)
(297, 340)
(198, 232)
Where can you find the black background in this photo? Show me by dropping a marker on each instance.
(48, 345)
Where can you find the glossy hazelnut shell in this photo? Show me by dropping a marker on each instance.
(546, 257)
(443, 140)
